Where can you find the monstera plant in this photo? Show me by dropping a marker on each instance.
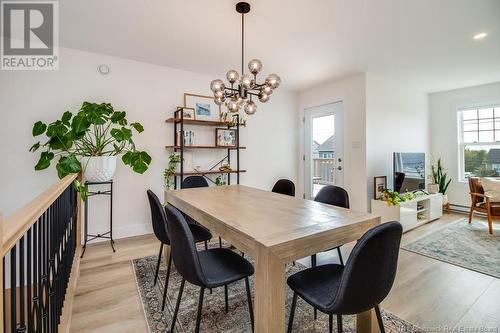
(89, 139)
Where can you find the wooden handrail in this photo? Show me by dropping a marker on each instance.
(16, 226)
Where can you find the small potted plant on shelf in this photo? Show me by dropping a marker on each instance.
(173, 161)
(90, 141)
(440, 178)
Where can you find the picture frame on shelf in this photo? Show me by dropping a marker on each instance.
(225, 137)
(204, 107)
(379, 184)
(188, 113)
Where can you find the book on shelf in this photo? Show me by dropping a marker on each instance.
(187, 137)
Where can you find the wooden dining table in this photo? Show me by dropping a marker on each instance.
(274, 229)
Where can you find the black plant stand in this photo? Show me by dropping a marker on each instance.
(109, 234)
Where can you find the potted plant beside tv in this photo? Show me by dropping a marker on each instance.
(440, 178)
(90, 141)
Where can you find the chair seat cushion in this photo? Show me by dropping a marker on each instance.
(494, 206)
(223, 266)
(318, 285)
(200, 233)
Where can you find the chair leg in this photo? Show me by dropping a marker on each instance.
(174, 318)
(379, 319)
(169, 265)
(206, 245)
(200, 306)
(339, 324)
(292, 313)
(490, 224)
(226, 298)
(250, 306)
(158, 264)
(330, 323)
(471, 213)
(220, 242)
(315, 313)
(313, 260)
(340, 256)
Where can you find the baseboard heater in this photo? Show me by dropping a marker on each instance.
(461, 209)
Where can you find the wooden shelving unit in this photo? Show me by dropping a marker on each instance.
(205, 147)
(207, 172)
(179, 123)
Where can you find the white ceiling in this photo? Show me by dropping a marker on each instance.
(425, 43)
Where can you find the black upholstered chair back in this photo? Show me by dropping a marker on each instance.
(333, 195)
(158, 218)
(370, 270)
(194, 181)
(284, 186)
(183, 247)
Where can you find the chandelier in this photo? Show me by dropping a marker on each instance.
(242, 90)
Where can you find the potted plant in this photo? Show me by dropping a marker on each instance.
(440, 178)
(173, 161)
(89, 141)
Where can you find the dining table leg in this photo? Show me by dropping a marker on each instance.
(366, 322)
(269, 293)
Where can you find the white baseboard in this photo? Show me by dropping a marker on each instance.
(127, 231)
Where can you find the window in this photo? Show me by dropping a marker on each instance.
(479, 135)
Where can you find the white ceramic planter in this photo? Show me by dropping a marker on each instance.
(99, 168)
(445, 199)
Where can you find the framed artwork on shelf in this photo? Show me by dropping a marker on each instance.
(225, 137)
(188, 113)
(379, 184)
(204, 107)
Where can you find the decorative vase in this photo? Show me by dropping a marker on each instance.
(99, 168)
(433, 188)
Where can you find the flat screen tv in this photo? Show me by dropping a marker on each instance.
(409, 172)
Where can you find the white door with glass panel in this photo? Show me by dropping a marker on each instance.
(323, 147)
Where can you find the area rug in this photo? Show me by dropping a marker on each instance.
(466, 245)
(214, 319)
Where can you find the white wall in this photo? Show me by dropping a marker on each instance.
(444, 136)
(351, 91)
(397, 120)
(149, 94)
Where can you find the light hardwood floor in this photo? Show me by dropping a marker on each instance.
(427, 292)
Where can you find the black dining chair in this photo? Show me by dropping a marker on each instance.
(284, 186)
(362, 284)
(194, 181)
(207, 269)
(159, 221)
(335, 196)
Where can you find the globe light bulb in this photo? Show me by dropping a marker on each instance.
(255, 66)
(232, 76)
(218, 94)
(250, 108)
(217, 85)
(219, 100)
(273, 81)
(267, 90)
(247, 81)
(263, 97)
(233, 105)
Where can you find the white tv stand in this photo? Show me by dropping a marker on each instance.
(413, 213)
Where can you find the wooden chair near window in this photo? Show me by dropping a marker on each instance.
(481, 203)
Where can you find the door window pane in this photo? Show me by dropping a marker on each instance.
(486, 136)
(470, 137)
(486, 113)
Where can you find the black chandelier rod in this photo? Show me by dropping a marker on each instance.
(242, 41)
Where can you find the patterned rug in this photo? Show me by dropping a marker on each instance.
(214, 319)
(463, 244)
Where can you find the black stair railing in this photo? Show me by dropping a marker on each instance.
(37, 262)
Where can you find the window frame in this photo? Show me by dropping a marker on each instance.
(460, 135)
